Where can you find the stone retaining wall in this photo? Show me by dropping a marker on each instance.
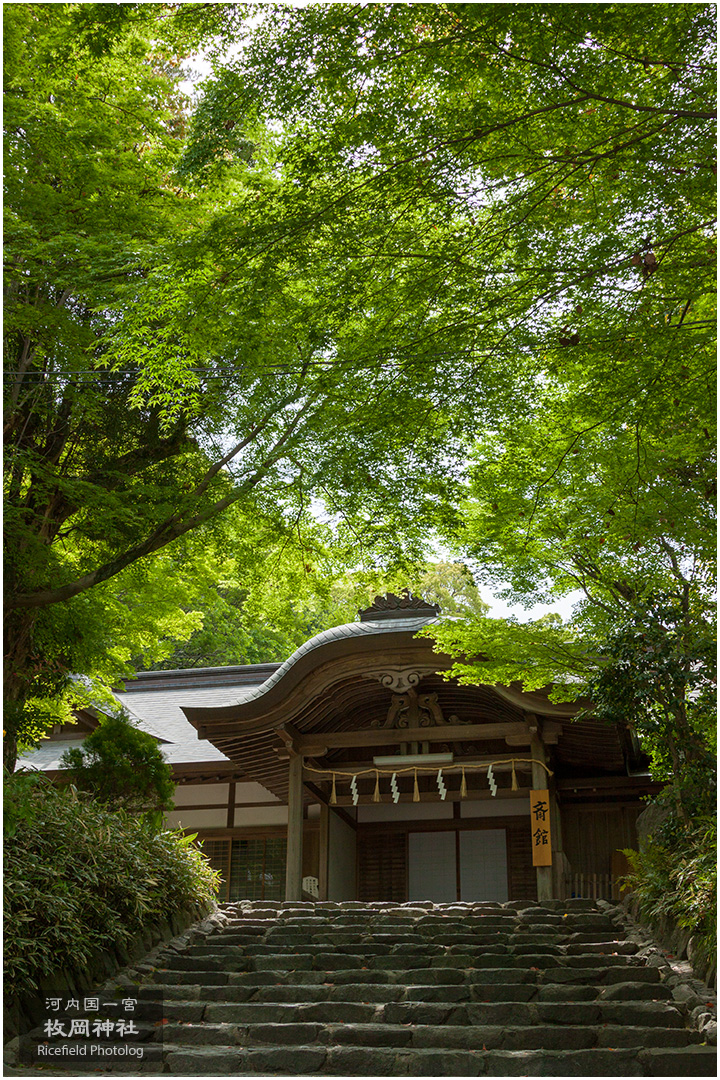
(694, 995)
(22, 1014)
(676, 939)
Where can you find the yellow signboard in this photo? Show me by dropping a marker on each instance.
(540, 827)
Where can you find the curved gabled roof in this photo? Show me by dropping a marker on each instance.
(358, 638)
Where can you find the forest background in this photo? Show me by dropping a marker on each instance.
(405, 279)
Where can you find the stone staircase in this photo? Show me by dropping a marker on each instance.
(355, 989)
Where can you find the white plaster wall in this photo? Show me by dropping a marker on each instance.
(342, 846)
(194, 794)
(197, 819)
(495, 808)
(252, 792)
(261, 815)
(439, 811)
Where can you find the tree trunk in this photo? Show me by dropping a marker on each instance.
(17, 678)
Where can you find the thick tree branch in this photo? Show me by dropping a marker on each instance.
(170, 529)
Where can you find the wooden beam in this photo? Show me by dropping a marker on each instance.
(551, 732)
(600, 783)
(336, 740)
(434, 797)
(289, 735)
(522, 765)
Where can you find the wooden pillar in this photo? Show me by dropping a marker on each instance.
(559, 860)
(540, 781)
(293, 875)
(324, 851)
(230, 822)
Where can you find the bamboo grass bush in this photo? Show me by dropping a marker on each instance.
(80, 878)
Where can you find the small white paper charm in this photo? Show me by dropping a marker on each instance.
(441, 785)
(354, 790)
(394, 788)
(491, 780)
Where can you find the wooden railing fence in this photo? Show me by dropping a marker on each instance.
(593, 886)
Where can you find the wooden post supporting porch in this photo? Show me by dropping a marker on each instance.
(540, 781)
(293, 873)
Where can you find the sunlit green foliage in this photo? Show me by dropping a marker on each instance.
(388, 232)
(80, 878)
(674, 876)
(123, 768)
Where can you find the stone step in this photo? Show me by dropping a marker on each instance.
(442, 936)
(535, 1037)
(451, 993)
(414, 990)
(426, 922)
(237, 958)
(567, 972)
(381, 1061)
(296, 965)
(478, 1014)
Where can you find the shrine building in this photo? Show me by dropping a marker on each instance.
(356, 771)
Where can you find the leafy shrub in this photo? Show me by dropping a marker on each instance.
(79, 878)
(674, 875)
(122, 767)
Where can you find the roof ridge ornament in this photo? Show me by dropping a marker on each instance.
(405, 606)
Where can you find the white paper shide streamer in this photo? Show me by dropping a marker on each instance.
(441, 785)
(394, 788)
(491, 780)
(354, 790)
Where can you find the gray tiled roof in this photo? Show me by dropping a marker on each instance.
(48, 754)
(159, 711)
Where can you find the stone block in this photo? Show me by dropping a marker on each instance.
(185, 1011)
(507, 992)
(563, 1063)
(189, 978)
(360, 1061)
(583, 1012)
(565, 992)
(284, 994)
(418, 1013)
(540, 1037)
(685, 995)
(368, 1035)
(206, 1062)
(377, 993)
(508, 1013)
(611, 947)
(287, 1033)
(640, 1037)
(202, 1034)
(339, 1012)
(440, 1063)
(457, 1037)
(375, 975)
(286, 1061)
(636, 991)
(490, 976)
(709, 1032)
(636, 974)
(447, 993)
(688, 1061)
(641, 1013)
(433, 976)
(284, 962)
